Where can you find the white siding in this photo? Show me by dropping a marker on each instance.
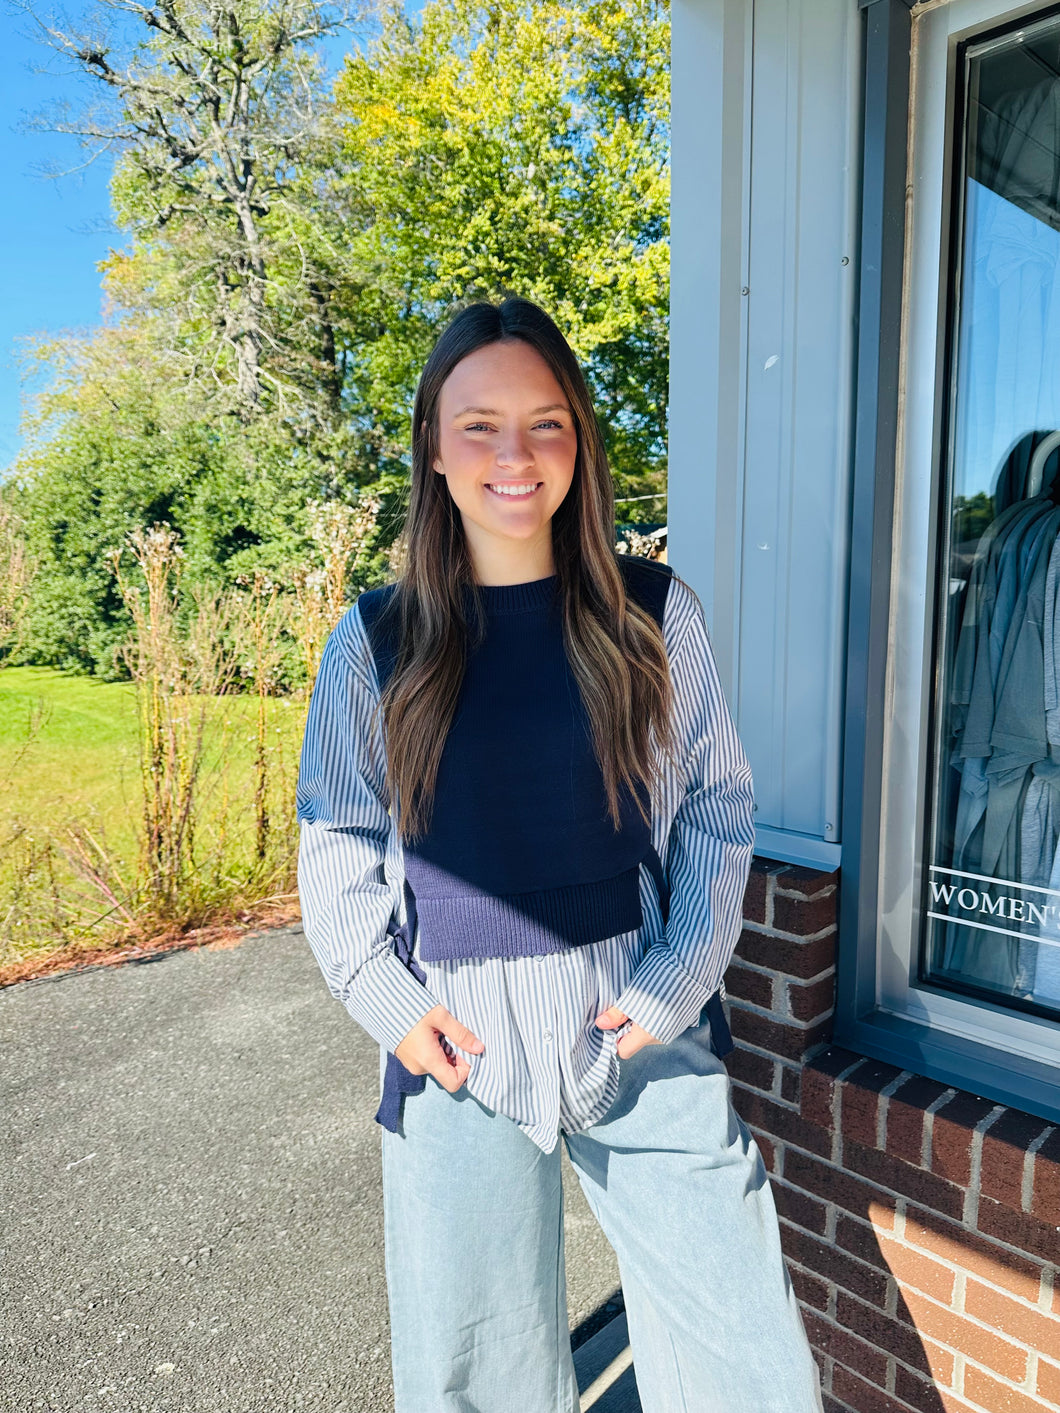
(765, 186)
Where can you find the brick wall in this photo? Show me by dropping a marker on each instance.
(921, 1223)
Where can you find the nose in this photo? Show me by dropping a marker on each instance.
(514, 452)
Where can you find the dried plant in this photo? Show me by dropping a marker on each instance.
(341, 535)
(643, 546)
(16, 576)
(177, 675)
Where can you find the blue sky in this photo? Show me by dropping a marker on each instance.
(53, 230)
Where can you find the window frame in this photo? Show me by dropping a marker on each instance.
(884, 1009)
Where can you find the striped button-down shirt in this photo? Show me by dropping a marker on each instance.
(544, 1064)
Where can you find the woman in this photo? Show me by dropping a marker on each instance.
(547, 719)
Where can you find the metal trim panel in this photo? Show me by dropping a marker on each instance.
(978, 1069)
(801, 849)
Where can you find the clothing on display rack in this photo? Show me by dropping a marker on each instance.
(995, 863)
(1005, 730)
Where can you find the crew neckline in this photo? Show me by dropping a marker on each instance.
(516, 598)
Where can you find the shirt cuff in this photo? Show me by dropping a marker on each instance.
(387, 1000)
(661, 996)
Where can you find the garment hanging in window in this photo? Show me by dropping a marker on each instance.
(992, 880)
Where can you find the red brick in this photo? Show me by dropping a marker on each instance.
(946, 1327)
(1005, 1145)
(767, 1148)
(1010, 1317)
(754, 1070)
(868, 1282)
(797, 1207)
(860, 1238)
(879, 1329)
(806, 882)
(998, 1397)
(808, 1000)
(906, 1113)
(1047, 1385)
(818, 1084)
(791, 1042)
(874, 1075)
(1045, 1200)
(861, 1100)
(885, 1171)
(815, 1100)
(790, 1084)
(916, 1391)
(805, 917)
(911, 1268)
(810, 1289)
(746, 985)
(951, 1137)
(881, 1212)
(938, 1364)
(952, 1404)
(855, 1393)
(786, 955)
(846, 1347)
(971, 1252)
(754, 898)
(834, 1061)
(783, 1123)
(860, 1114)
(829, 1183)
(1024, 1232)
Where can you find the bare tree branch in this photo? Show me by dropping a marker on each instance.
(212, 106)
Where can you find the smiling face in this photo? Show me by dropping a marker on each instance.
(507, 446)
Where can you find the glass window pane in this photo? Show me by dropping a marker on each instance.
(992, 886)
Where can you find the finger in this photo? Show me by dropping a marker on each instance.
(635, 1039)
(609, 1019)
(459, 1034)
(450, 1074)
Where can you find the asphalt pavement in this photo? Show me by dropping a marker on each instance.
(190, 1192)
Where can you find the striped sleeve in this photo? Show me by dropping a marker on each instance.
(344, 834)
(711, 839)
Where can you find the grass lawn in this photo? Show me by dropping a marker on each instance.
(69, 755)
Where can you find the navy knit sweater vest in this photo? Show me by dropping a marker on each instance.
(521, 857)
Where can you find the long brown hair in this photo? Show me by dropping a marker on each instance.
(615, 649)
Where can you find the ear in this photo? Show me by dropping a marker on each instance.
(437, 465)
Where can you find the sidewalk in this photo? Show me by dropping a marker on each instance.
(191, 1196)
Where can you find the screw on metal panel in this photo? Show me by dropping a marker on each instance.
(845, 260)
(745, 290)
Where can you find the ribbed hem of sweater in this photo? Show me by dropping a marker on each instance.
(529, 924)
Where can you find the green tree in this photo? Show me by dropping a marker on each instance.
(292, 254)
(115, 450)
(214, 107)
(518, 147)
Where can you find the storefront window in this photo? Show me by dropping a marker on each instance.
(992, 885)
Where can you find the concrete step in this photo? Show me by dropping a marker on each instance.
(604, 1365)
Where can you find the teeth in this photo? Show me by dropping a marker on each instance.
(514, 490)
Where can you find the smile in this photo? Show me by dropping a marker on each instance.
(523, 489)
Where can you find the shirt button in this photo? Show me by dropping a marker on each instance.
(547, 1035)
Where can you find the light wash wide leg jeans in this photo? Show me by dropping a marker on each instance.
(474, 1250)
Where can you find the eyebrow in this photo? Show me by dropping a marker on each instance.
(492, 411)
